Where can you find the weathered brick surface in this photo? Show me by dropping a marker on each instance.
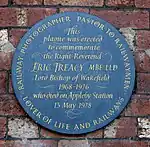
(139, 106)
(22, 128)
(120, 143)
(24, 16)
(27, 143)
(73, 143)
(3, 82)
(142, 61)
(5, 50)
(75, 2)
(12, 143)
(9, 106)
(144, 127)
(2, 127)
(43, 143)
(5, 60)
(21, 17)
(143, 83)
(3, 38)
(142, 3)
(27, 2)
(15, 35)
(3, 2)
(120, 2)
(129, 35)
(134, 19)
(121, 128)
(143, 39)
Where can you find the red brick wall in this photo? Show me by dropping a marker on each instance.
(131, 128)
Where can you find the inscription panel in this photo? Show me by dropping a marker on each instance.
(73, 73)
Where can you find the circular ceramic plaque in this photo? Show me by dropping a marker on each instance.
(73, 73)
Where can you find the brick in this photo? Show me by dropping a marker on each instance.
(6, 50)
(73, 143)
(3, 82)
(14, 143)
(36, 14)
(8, 17)
(43, 143)
(143, 39)
(23, 16)
(142, 61)
(142, 3)
(22, 128)
(3, 2)
(3, 38)
(143, 83)
(5, 60)
(120, 143)
(45, 133)
(144, 127)
(10, 106)
(2, 142)
(139, 106)
(75, 2)
(95, 134)
(27, 2)
(119, 2)
(74, 9)
(121, 128)
(11, 90)
(129, 35)
(15, 35)
(2, 127)
(27, 143)
(133, 19)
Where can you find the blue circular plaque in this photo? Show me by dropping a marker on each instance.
(73, 73)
